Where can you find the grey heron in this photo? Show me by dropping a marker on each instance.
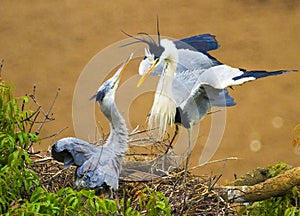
(191, 81)
(98, 166)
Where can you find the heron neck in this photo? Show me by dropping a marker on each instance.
(118, 136)
(167, 77)
(164, 107)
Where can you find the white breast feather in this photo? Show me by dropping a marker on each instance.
(162, 113)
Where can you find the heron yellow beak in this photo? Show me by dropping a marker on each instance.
(121, 70)
(148, 72)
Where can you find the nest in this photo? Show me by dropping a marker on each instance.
(52, 174)
(186, 193)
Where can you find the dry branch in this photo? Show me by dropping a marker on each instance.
(47, 116)
(272, 187)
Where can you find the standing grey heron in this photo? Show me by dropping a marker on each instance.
(191, 81)
(98, 166)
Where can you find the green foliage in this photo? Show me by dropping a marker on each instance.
(16, 180)
(287, 205)
(69, 202)
(148, 201)
(155, 202)
(65, 202)
(278, 169)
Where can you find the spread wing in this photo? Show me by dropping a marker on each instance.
(199, 102)
(222, 76)
(102, 167)
(202, 43)
(72, 151)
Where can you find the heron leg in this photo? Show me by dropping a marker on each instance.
(184, 204)
(188, 153)
(111, 197)
(173, 138)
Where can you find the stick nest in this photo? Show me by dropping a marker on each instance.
(191, 195)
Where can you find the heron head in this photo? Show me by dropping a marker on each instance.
(152, 52)
(109, 87)
(167, 54)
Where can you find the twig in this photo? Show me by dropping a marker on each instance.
(32, 96)
(29, 117)
(34, 90)
(56, 174)
(214, 161)
(141, 154)
(55, 134)
(46, 114)
(146, 142)
(142, 131)
(43, 159)
(1, 66)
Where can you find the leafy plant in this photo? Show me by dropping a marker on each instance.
(16, 180)
(69, 202)
(150, 202)
(65, 202)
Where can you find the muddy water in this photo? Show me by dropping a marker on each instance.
(49, 43)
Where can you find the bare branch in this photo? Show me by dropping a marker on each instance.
(55, 134)
(46, 117)
(1, 66)
(271, 187)
(214, 161)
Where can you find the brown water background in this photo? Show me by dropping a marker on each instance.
(48, 43)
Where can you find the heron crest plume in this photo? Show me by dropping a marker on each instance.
(155, 47)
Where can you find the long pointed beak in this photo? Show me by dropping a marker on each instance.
(148, 72)
(120, 71)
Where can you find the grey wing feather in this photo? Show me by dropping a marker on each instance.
(192, 60)
(199, 102)
(72, 151)
(184, 83)
(194, 108)
(102, 167)
(218, 97)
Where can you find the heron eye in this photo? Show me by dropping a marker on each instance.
(150, 57)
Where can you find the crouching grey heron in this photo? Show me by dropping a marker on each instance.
(191, 81)
(98, 166)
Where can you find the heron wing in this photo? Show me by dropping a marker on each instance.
(218, 77)
(218, 97)
(102, 167)
(193, 60)
(199, 102)
(186, 80)
(72, 151)
(222, 76)
(194, 108)
(201, 43)
(191, 65)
